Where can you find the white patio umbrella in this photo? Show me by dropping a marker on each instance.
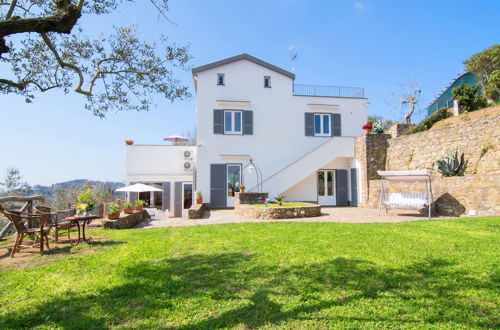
(138, 187)
(176, 138)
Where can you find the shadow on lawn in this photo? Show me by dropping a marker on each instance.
(155, 288)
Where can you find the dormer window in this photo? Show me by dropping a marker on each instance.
(267, 81)
(220, 79)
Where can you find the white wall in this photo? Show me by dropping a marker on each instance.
(157, 160)
(278, 138)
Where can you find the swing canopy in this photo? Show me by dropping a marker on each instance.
(406, 176)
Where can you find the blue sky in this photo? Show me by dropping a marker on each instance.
(378, 45)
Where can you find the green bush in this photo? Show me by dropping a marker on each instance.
(85, 197)
(469, 97)
(427, 123)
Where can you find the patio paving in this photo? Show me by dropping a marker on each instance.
(329, 214)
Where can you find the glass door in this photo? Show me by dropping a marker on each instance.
(233, 182)
(187, 198)
(326, 187)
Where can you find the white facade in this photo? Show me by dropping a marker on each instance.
(288, 159)
(163, 166)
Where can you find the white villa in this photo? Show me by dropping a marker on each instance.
(301, 137)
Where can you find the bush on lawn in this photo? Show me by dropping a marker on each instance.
(427, 123)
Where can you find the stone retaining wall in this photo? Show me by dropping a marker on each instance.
(127, 221)
(268, 213)
(477, 139)
(476, 194)
(196, 211)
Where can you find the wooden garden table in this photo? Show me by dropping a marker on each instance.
(81, 222)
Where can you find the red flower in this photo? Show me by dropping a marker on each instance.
(367, 126)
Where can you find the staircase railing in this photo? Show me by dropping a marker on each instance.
(295, 161)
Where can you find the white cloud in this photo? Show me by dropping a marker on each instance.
(359, 5)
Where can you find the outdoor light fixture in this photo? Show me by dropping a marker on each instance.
(252, 166)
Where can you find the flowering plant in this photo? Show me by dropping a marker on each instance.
(113, 208)
(127, 205)
(139, 202)
(365, 126)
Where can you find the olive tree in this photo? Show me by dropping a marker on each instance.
(44, 46)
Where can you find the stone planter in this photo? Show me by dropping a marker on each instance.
(270, 213)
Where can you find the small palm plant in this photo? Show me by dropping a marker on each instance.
(280, 199)
(451, 165)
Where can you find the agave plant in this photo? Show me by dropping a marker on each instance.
(451, 165)
(280, 200)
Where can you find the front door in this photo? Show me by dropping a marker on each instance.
(187, 198)
(233, 182)
(326, 188)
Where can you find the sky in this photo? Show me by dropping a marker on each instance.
(376, 44)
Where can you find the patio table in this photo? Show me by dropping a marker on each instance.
(81, 222)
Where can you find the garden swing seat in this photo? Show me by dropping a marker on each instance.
(406, 199)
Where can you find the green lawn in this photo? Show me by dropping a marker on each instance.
(285, 204)
(424, 274)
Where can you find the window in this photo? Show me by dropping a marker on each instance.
(220, 79)
(322, 124)
(232, 122)
(267, 81)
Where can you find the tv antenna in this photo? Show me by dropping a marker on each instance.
(293, 55)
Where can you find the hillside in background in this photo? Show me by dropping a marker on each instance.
(48, 190)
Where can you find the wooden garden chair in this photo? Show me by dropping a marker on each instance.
(57, 225)
(18, 219)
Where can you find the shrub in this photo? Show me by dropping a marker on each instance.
(451, 165)
(85, 197)
(113, 208)
(492, 90)
(469, 97)
(427, 123)
(280, 200)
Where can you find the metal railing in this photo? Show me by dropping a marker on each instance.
(329, 91)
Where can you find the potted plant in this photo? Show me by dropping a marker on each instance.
(139, 205)
(242, 187)
(368, 128)
(199, 197)
(128, 208)
(114, 211)
(129, 142)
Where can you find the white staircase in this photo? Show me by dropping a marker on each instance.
(298, 170)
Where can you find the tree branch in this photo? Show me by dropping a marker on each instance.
(23, 84)
(13, 5)
(63, 64)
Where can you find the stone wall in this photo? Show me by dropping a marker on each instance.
(477, 139)
(127, 221)
(476, 194)
(196, 211)
(269, 213)
(398, 130)
(250, 197)
(371, 151)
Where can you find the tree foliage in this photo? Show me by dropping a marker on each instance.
(492, 90)
(44, 47)
(469, 97)
(484, 63)
(13, 184)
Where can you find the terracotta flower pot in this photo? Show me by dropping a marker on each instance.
(113, 216)
(199, 200)
(139, 208)
(242, 189)
(129, 142)
(129, 210)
